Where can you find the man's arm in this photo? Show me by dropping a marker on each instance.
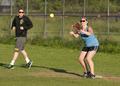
(28, 23)
(13, 27)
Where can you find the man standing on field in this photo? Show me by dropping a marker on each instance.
(21, 24)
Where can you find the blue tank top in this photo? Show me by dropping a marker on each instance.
(90, 40)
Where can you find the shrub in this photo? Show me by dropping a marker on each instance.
(106, 45)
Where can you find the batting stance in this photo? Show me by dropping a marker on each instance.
(90, 48)
(21, 24)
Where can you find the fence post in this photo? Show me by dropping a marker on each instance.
(63, 12)
(27, 7)
(11, 14)
(45, 15)
(84, 7)
(108, 14)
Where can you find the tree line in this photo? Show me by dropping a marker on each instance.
(70, 5)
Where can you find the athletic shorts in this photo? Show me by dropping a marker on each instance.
(92, 48)
(20, 43)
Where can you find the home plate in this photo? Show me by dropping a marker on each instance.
(98, 77)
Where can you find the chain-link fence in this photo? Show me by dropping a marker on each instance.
(104, 16)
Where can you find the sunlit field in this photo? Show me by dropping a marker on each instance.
(56, 67)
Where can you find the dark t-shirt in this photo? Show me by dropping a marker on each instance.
(24, 22)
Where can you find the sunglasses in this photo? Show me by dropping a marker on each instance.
(82, 21)
(21, 12)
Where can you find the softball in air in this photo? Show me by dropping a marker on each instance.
(51, 15)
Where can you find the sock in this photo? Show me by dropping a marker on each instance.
(12, 62)
(27, 60)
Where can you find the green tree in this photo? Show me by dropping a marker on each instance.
(20, 4)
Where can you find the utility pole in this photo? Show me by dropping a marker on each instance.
(84, 7)
(63, 12)
(108, 14)
(45, 15)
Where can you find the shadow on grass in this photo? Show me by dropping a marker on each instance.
(4, 65)
(58, 70)
(49, 68)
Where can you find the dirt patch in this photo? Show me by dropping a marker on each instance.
(54, 74)
(70, 75)
(113, 78)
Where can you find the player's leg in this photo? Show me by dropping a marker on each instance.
(89, 58)
(87, 66)
(15, 55)
(81, 60)
(25, 56)
(28, 61)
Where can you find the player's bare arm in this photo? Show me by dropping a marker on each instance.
(89, 32)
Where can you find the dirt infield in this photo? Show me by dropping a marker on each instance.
(70, 75)
(113, 78)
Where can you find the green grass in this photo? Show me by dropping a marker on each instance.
(54, 26)
(56, 67)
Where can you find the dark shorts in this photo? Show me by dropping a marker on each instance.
(92, 48)
(20, 43)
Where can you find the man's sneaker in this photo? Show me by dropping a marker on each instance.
(29, 64)
(88, 74)
(93, 76)
(10, 66)
(84, 75)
